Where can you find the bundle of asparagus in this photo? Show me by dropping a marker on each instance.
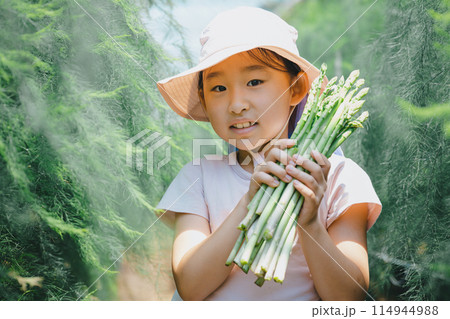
(268, 231)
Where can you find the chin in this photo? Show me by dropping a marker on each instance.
(254, 146)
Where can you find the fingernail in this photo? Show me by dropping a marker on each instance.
(287, 178)
(300, 159)
(275, 183)
(292, 163)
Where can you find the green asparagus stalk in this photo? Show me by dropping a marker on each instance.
(259, 271)
(238, 256)
(288, 192)
(261, 223)
(286, 217)
(235, 249)
(263, 202)
(282, 263)
(251, 211)
(238, 244)
(258, 257)
(260, 281)
(269, 263)
(246, 267)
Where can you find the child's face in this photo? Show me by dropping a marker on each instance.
(243, 89)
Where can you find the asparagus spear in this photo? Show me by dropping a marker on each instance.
(292, 220)
(282, 263)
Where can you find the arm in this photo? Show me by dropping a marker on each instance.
(198, 259)
(338, 259)
(199, 256)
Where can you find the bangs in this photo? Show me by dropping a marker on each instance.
(268, 58)
(274, 61)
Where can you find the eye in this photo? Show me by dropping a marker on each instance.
(254, 82)
(218, 88)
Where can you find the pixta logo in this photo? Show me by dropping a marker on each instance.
(145, 146)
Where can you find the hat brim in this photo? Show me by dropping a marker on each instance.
(181, 91)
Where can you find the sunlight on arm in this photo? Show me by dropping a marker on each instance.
(349, 234)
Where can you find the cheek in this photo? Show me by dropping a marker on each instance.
(219, 126)
(278, 112)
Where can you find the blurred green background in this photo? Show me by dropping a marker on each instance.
(77, 82)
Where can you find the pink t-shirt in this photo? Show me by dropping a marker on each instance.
(212, 187)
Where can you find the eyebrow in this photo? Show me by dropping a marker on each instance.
(246, 69)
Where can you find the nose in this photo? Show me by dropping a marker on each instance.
(238, 102)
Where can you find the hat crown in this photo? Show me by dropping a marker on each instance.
(253, 27)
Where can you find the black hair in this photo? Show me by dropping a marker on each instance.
(267, 57)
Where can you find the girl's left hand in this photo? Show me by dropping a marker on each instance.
(312, 186)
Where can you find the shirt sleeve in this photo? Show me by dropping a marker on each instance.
(349, 184)
(184, 195)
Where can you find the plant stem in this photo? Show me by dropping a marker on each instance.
(285, 220)
(293, 220)
(235, 249)
(282, 263)
(261, 222)
(260, 281)
(268, 191)
(258, 256)
(245, 223)
(246, 267)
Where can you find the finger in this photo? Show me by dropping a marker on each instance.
(265, 178)
(320, 173)
(274, 169)
(278, 171)
(304, 190)
(279, 143)
(303, 177)
(283, 143)
(279, 155)
(315, 169)
(323, 161)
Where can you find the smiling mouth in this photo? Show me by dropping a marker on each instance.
(243, 125)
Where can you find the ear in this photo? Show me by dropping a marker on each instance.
(300, 88)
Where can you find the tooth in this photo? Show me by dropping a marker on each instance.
(243, 125)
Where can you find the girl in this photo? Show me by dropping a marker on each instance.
(248, 83)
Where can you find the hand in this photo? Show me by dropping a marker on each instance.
(312, 186)
(262, 172)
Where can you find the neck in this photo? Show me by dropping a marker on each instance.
(247, 158)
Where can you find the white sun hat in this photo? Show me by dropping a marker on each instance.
(231, 32)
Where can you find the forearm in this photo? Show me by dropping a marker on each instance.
(335, 276)
(202, 269)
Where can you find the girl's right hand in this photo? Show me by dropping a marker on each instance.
(266, 171)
